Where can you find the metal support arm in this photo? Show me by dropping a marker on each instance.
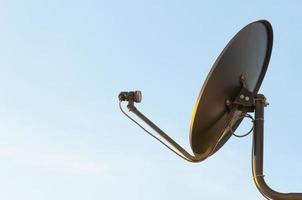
(164, 138)
(257, 156)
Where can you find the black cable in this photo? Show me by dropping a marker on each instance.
(246, 134)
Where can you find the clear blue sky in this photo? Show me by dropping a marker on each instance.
(63, 63)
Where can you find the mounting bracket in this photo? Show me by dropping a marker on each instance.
(244, 101)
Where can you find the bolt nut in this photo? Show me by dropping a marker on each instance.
(247, 98)
(241, 96)
(228, 102)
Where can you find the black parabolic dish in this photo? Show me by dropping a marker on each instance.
(247, 54)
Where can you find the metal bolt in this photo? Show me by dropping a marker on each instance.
(228, 102)
(241, 96)
(247, 98)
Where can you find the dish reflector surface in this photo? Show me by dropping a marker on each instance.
(247, 54)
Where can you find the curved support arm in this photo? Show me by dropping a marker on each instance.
(165, 139)
(257, 156)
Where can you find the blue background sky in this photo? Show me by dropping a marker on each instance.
(63, 64)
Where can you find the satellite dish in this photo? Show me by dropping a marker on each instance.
(243, 61)
(228, 94)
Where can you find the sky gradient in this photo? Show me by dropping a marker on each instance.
(63, 64)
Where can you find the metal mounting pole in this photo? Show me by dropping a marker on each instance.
(257, 156)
